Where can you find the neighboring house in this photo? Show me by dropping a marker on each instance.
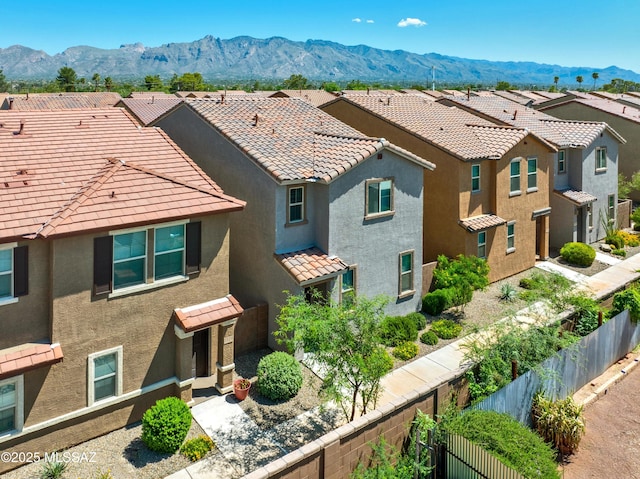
(147, 110)
(584, 178)
(328, 208)
(60, 101)
(622, 117)
(315, 97)
(114, 267)
(489, 195)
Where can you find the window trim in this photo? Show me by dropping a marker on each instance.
(512, 177)
(162, 253)
(512, 236)
(534, 174)
(379, 213)
(563, 162)
(18, 416)
(303, 203)
(611, 207)
(482, 244)
(475, 178)
(599, 168)
(590, 216)
(407, 292)
(91, 379)
(354, 271)
(18, 274)
(145, 257)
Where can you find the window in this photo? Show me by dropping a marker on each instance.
(601, 159)
(590, 215)
(295, 208)
(406, 273)
(348, 286)
(475, 178)
(14, 280)
(379, 196)
(11, 410)
(514, 185)
(611, 207)
(511, 237)
(120, 260)
(105, 375)
(482, 244)
(532, 174)
(562, 162)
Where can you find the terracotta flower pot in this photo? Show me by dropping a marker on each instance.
(241, 388)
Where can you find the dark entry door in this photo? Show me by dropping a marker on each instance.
(200, 358)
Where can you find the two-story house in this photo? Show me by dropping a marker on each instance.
(327, 207)
(488, 196)
(584, 177)
(114, 267)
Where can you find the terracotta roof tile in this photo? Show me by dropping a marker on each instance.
(580, 198)
(200, 316)
(19, 359)
(311, 265)
(150, 94)
(482, 222)
(57, 176)
(147, 110)
(621, 110)
(315, 97)
(58, 101)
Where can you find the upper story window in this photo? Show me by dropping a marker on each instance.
(562, 161)
(295, 204)
(482, 244)
(11, 404)
(532, 174)
(514, 178)
(475, 178)
(511, 237)
(105, 375)
(406, 273)
(121, 260)
(14, 281)
(601, 159)
(379, 196)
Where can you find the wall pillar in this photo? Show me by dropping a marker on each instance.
(184, 353)
(225, 364)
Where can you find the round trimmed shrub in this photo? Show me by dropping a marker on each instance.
(579, 254)
(437, 301)
(446, 329)
(279, 376)
(429, 337)
(419, 319)
(166, 424)
(398, 329)
(406, 350)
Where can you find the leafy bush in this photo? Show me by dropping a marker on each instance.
(446, 329)
(398, 329)
(419, 319)
(630, 239)
(406, 350)
(560, 423)
(586, 314)
(437, 301)
(508, 293)
(196, 448)
(579, 254)
(165, 425)
(615, 239)
(627, 299)
(279, 376)
(552, 287)
(514, 444)
(463, 269)
(635, 216)
(52, 470)
(429, 337)
(619, 252)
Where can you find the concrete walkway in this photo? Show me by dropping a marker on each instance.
(245, 447)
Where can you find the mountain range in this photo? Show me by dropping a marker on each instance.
(276, 58)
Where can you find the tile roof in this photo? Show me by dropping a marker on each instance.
(311, 265)
(60, 101)
(315, 97)
(481, 222)
(200, 316)
(150, 94)
(511, 96)
(620, 110)
(291, 139)
(147, 110)
(23, 358)
(561, 133)
(71, 171)
(579, 198)
(458, 132)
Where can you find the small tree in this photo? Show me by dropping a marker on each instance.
(4, 85)
(108, 83)
(556, 79)
(296, 82)
(579, 79)
(503, 85)
(96, 81)
(595, 76)
(153, 82)
(67, 79)
(345, 340)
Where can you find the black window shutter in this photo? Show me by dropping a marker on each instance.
(20, 271)
(102, 264)
(193, 247)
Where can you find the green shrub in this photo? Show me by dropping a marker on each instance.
(635, 216)
(514, 444)
(630, 239)
(463, 269)
(165, 425)
(429, 337)
(196, 448)
(398, 329)
(627, 299)
(419, 319)
(560, 423)
(437, 301)
(53, 470)
(508, 293)
(446, 329)
(616, 240)
(579, 254)
(406, 350)
(619, 252)
(279, 376)
(586, 314)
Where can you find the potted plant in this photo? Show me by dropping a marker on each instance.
(241, 388)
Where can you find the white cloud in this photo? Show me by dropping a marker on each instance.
(357, 20)
(369, 21)
(411, 22)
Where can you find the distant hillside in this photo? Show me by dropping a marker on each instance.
(277, 58)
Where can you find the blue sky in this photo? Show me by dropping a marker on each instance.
(569, 33)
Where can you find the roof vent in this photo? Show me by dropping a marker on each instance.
(21, 130)
(515, 114)
(255, 120)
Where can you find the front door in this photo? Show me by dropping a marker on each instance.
(200, 356)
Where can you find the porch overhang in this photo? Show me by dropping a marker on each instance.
(311, 265)
(201, 316)
(578, 198)
(481, 222)
(28, 356)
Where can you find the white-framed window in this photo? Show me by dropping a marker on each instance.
(562, 162)
(611, 207)
(514, 177)
(105, 375)
(511, 237)
(169, 252)
(11, 405)
(14, 280)
(129, 259)
(348, 285)
(406, 273)
(532, 174)
(601, 159)
(379, 196)
(590, 215)
(475, 177)
(482, 244)
(6, 272)
(295, 204)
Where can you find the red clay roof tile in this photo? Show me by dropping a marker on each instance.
(19, 359)
(200, 316)
(311, 265)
